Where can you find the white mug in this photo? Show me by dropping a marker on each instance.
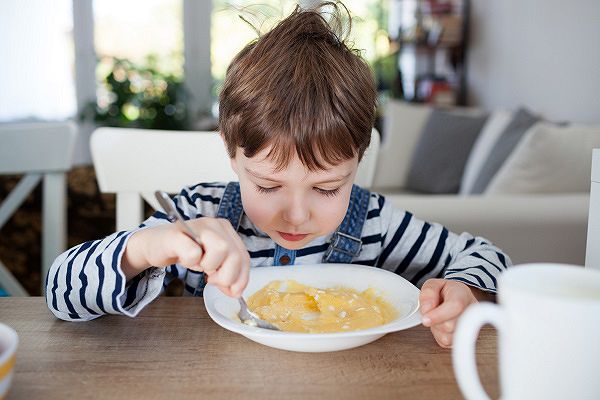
(548, 322)
(9, 341)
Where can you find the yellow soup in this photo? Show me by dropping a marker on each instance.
(294, 307)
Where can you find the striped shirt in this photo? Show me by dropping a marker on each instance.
(86, 281)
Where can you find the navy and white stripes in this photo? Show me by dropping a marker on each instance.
(86, 281)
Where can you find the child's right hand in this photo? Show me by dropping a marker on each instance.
(223, 256)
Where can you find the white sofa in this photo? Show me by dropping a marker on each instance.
(530, 227)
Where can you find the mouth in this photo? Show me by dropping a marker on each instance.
(292, 237)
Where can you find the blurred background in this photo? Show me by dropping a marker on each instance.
(159, 64)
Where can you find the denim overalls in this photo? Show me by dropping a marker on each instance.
(345, 242)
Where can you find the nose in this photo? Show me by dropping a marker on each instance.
(296, 211)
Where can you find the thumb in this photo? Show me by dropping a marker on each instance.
(212, 278)
(430, 294)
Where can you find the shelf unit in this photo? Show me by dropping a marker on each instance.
(431, 40)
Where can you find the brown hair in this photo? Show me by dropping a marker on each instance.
(299, 86)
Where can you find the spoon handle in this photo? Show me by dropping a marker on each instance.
(174, 216)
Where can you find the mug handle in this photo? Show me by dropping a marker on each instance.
(463, 350)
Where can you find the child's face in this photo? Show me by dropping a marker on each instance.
(294, 206)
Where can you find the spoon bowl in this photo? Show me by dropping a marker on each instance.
(250, 318)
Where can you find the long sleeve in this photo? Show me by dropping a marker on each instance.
(86, 281)
(419, 250)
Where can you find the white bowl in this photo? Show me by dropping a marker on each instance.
(9, 340)
(400, 293)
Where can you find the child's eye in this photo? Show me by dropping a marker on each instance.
(328, 193)
(262, 189)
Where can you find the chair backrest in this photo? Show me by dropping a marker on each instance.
(592, 255)
(133, 163)
(40, 151)
(365, 175)
(36, 147)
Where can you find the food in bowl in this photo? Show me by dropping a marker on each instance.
(294, 307)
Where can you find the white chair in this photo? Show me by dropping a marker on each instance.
(40, 151)
(133, 163)
(365, 176)
(592, 255)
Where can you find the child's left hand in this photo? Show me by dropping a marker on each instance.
(442, 302)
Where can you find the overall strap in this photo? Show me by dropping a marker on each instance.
(346, 240)
(230, 206)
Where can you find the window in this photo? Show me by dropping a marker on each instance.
(139, 44)
(37, 72)
(138, 30)
(229, 34)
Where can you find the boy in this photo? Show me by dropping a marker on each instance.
(296, 112)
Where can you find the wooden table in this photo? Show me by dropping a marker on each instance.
(174, 350)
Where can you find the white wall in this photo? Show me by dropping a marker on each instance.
(543, 54)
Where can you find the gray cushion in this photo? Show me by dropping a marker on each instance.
(508, 140)
(441, 153)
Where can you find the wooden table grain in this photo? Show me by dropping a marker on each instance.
(174, 350)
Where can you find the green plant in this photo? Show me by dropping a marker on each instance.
(135, 96)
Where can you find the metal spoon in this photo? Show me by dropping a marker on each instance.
(250, 318)
(245, 315)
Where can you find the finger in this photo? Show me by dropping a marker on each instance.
(226, 291)
(238, 287)
(228, 273)
(188, 252)
(235, 238)
(215, 253)
(447, 326)
(226, 225)
(450, 309)
(430, 294)
(442, 338)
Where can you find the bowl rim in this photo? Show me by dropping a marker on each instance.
(407, 321)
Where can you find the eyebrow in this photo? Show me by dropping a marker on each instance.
(266, 178)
